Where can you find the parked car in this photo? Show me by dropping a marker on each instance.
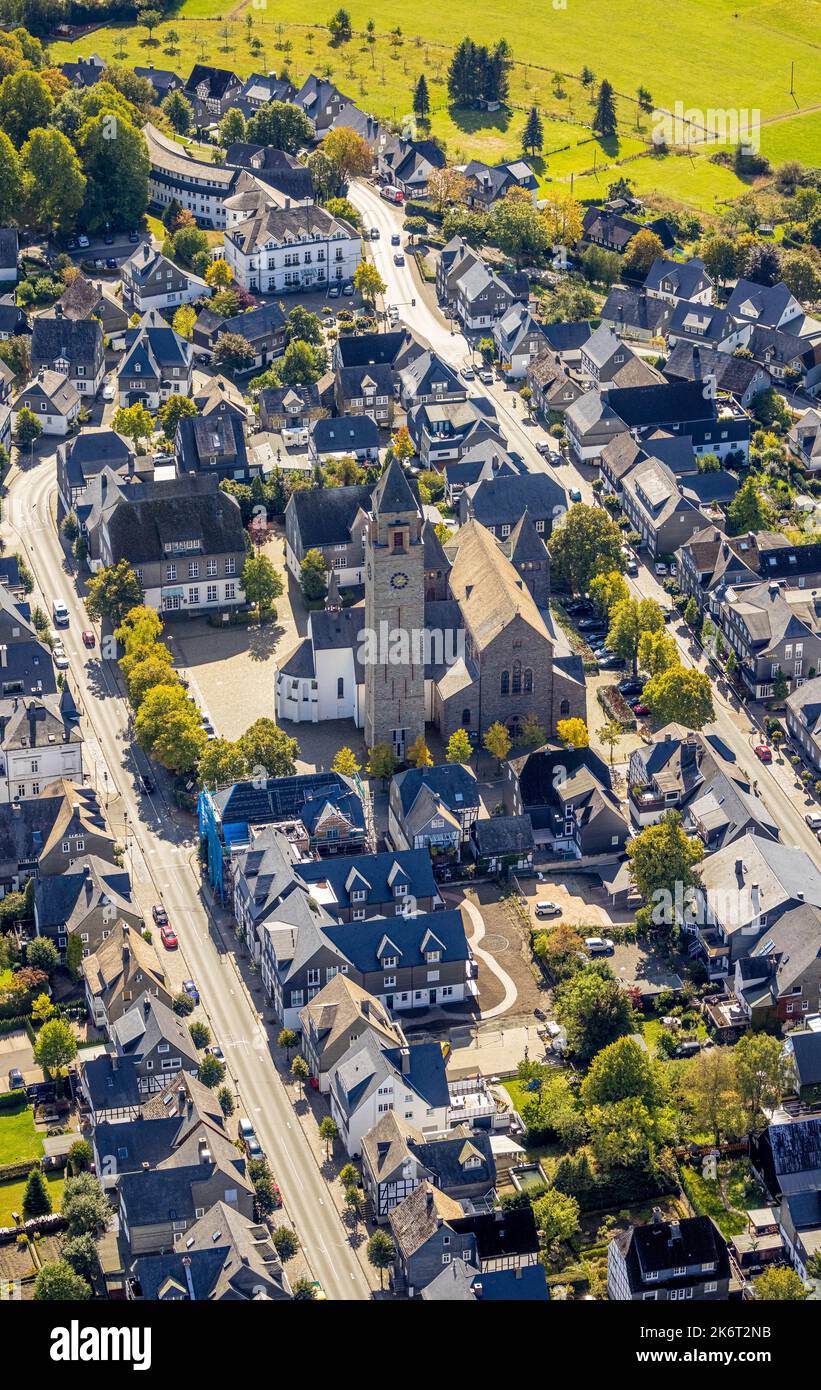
(548, 909)
(813, 819)
(191, 990)
(347, 289)
(396, 239)
(374, 233)
(631, 685)
(147, 783)
(109, 391)
(111, 263)
(109, 238)
(214, 1050)
(16, 1082)
(660, 568)
(59, 612)
(133, 237)
(168, 938)
(638, 708)
(160, 915)
(399, 258)
(468, 373)
(486, 376)
(60, 657)
(580, 606)
(333, 292)
(88, 637)
(764, 753)
(632, 568)
(542, 446)
(611, 662)
(599, 945)
(575, 494)
(590, 624)
(248, 1135)
(83, 242)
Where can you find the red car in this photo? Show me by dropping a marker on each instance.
(639, 708)
(764, 752)
(277, 1193)
(160, 915)
(88, 637)
(169, 938)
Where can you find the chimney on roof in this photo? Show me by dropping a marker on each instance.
(58, 311)
(739, 868)
(146, 1006)
(203, 1151)
(146, 250)
(675, 1231)
(429, 1201)
(657, 1217)
(126, 944)
(181, 1098)
(405, 1056)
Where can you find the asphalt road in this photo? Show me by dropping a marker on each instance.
(167, 850)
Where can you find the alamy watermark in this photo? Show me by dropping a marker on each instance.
(731, 126)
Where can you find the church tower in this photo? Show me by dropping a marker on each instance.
(394, 615)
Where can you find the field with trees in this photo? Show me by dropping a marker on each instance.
(706, 55)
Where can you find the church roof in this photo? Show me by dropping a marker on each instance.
(525, 543)
(488, 588)
(435, 557)
(392, 493)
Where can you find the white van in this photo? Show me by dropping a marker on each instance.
(59, 613)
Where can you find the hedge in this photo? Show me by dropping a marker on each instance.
(616, 707)
(13, 1172)
(12, 1025)
(10, 1100)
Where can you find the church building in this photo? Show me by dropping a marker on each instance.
(456, 635)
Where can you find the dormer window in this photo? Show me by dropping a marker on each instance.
(432, 957)
(389, 962)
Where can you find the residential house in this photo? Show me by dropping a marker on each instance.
(213, 445)
(569, 797)
(661, 507)
(84, 902)
(52, 398)
(157, 1207)
(184, 537)
(427, 379)
(199, 186)
(430, 1231)
(447, 430)
(86, 72)
(396, 1158)
(84, 457)
(408, 164)
(292, 410)
(40, 740)
(488, 459)
(675, 281)
(152, 281)
(604, 227)
(552, 389)
(151, 1038)
(803, 718)
(463, 1283)
(162, 80)
(669, 1260)
(725, 809)
(43, 835)
(157, 364)
(799, 1224)
(262, 328)
(503, 844)
(433, 808)
(260, 89)
(718, 370)
(219, 396)
(72, 347)
(632, 313)
(771, 631)
(518, 339)
(665, 773)
(353, 887)
(211, 91)
(499, 503)
(344, 436)
(780, 980)
(370, 1080)
(14, 323)
(804, 439)
(787, 1157)
(120, 971)
(92, 299)
(277, 250)
(489, 182)
(745, 890)
(338, 1017)
(802, 1048)
(226, 1256)
(318, 811)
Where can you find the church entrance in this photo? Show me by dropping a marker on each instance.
(514, 728)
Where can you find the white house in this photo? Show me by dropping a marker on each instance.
(277, 250)
(41, 743)
(151, 281)
(53, 399)
(371, 1080)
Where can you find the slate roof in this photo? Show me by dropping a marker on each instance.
(324, 516)
(224, 1255)
(782, 873)
(79, 341)
(806, 1050)
(345, 432)
(451, 783)
(148, 1023)
(503, 835)
(501, 1233)
(460, 1282)
(392, 493)
(60, 393)
(807, 700)
(143, 516)
(219, 80)
(684, 279)
(690, 362)
(367, 1064)
(669, 403)
(660, 1245)
(795, 1150)
(764, 304)
(8, 248)
(724, 810)
(502, 501)
(28, 827)
(375, 874)
(445, 1158)
(419, 1217)
(284, 225)
(360, 942)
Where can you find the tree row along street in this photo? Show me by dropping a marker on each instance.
(169, 854)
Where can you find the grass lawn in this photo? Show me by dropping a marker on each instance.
(708, 1200)
(705, 56)
(12, 1193)
(19, 1140)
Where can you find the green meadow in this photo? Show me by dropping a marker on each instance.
(707, 54)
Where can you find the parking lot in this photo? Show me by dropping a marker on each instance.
(580, 898)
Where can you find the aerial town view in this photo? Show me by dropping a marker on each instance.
(410, 660)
